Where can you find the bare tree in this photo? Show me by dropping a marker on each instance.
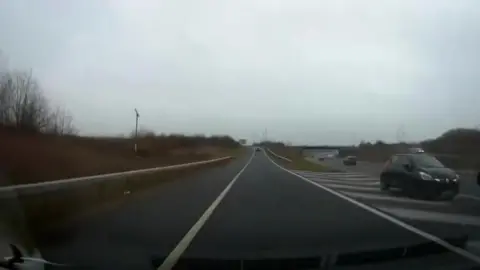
(5, 98)
(23, 105)
(28, 109)
(60, 122)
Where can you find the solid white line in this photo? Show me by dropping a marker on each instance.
(391, 198)
(433, 216)
(390, 218)
(175, 254)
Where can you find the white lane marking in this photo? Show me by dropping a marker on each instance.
(350, 187)
(459, 251)
(175, 254)
(433, 216)
(375, 197)
(468, 197)
(358, 183)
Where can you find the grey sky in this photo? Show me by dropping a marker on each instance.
(309, 71)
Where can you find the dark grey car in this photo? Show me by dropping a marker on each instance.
(420, 175)
(350, 160)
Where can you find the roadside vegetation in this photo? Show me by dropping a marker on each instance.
(457, 148)
(34, 157)
(298, 161)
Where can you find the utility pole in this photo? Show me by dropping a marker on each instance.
(137, 115)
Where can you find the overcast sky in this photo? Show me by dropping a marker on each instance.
(310, 72)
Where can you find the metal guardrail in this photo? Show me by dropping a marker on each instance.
(36, 188)
(278, 156)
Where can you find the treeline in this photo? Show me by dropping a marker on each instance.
(454, 141)
(456, 148)
(24, 107)
(271, 144)
(191, 141)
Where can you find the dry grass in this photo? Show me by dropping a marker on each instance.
(298, 161)
(28, 158)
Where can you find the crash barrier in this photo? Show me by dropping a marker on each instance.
(278, 156)
(49, 204)
(36, 188)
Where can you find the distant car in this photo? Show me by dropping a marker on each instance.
(416, 150)
(420, 175)
(350, 160)
(257, 149)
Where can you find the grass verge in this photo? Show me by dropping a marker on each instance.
(298, 162)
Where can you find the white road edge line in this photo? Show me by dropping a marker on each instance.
(175, 254)
(392, 219)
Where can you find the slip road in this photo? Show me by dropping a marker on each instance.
(247, 209)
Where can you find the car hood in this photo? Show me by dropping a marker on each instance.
(440, 172)
(392, 257)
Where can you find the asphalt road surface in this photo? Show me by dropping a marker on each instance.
(251, 209)
(361, 182)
